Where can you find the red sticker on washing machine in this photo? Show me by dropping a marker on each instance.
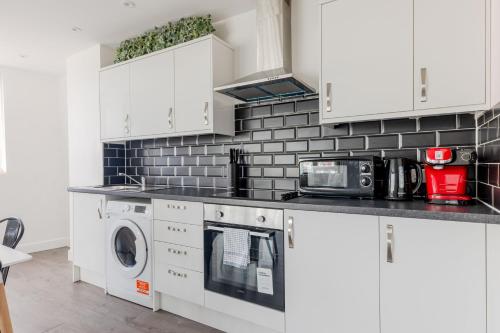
(142, 287)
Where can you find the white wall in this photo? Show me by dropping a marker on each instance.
(240, 32)
(34, 187)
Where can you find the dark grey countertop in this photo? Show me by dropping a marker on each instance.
(413, 209)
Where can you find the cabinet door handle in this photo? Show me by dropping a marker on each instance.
(423, 84)
(390, 234)
(170, 117)
(329, 97)
(291, 233)
(99, 209)
(205, 113)
(126, 127)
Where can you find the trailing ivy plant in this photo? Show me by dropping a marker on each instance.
(168, 35)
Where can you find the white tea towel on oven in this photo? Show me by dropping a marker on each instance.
(236, 247)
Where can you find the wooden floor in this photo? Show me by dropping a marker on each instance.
(42, 298)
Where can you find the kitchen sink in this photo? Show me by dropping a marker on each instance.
(133, 188)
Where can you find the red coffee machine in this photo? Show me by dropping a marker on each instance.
(446, 175)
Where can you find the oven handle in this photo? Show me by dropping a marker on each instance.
(252, 233)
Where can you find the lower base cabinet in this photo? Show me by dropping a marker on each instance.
(331, 273)
(432, 276)
(352, 273)
(88, 232)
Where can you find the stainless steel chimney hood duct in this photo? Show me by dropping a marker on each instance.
(274, 78)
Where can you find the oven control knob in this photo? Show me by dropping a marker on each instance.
(366, 181)
(261, 219)
(365, 168)
(219, 214)
(126, 208)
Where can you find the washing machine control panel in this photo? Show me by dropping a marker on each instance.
(116, 208)
(140, 209)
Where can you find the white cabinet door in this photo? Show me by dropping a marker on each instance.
(493, 278)
(366, 57)
(331, 273)
(193, 87)
(436, 282)
(450, 53)
(88, 232)
(152, 95)
(115, 102)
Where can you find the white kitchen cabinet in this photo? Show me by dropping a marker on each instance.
(331, 273)
(193, 87)
(450, 53)
(115, 102)
(169, 93)
(152, 95)
(366, 58)
(407, 58)
(493, 277)
(89, 237)
(436, 280)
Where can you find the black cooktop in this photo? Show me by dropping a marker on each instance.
(257, 195)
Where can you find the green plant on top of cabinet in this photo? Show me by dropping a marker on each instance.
(169, 93)
(404, 58)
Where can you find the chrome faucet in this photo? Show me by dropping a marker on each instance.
(142, 182)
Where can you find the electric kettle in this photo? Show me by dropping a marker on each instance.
(403, 178)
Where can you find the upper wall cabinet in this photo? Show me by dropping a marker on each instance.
(367, 57)
(169, 93)
(152, 95)
(115, 103)
(407, 58)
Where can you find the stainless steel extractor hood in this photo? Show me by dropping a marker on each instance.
(274, 78)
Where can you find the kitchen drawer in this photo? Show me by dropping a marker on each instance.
(178, 233)
(179, 282)
(178, 211)
(178, 255)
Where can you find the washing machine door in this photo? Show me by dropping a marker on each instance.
(129, 248)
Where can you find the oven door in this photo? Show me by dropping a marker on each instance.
(262, 281)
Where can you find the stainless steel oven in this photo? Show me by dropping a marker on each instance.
(261, 279)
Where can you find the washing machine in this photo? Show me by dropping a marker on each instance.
(129, 272)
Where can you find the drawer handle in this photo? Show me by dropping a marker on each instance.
(174, 273)
(174, 251)
(177, 229)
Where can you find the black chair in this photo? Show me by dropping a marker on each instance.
(13, 233)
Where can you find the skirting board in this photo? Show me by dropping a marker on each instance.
(210, 317)
(44, 245)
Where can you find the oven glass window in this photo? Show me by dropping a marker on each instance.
(324, 174)
(125, 247)
(261, 281)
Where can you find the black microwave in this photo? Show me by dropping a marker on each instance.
(359, 177)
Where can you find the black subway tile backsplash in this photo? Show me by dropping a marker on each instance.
(489, 159)
(351, 143)
(438, 123)
(275, 136)
(416, 140)
(400, 125)
(368, 127)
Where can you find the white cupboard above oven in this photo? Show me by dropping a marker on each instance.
(405, 58)
(168, 93)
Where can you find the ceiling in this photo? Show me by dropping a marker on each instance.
(38, 34)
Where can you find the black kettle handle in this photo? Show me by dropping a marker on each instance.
(420, 177)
